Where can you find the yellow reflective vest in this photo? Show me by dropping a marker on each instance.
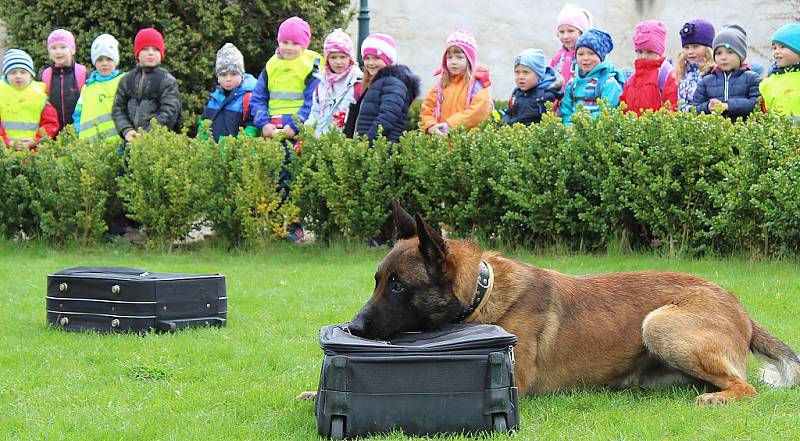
(98, 99)
(21, 110)
(286, 81)
(781, 92)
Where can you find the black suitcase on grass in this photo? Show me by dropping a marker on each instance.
(459, 379)
(129, 299)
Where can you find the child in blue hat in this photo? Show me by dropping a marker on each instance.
(537, 84)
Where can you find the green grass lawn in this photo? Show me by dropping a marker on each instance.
(239, 382)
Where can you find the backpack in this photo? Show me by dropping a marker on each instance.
(130, 84)
(80, 77)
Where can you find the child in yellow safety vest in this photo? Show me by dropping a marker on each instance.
(285, 88)
(24, 110)
(92, 115)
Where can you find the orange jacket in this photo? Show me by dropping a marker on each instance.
(453, 111)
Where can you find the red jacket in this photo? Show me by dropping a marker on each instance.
(642, 92)
(48, 121)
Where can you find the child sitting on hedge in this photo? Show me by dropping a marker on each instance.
(92, 115)
(228, 107)
(340, 86)
(24, 110)
(461, 96)
(694, 60)
(595, 79)
(652, 85)
(731, 88)
(781, 90)
(148, 91)
(64, 79)
(537, 84)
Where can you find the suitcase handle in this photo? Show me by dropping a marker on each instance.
(172, 325)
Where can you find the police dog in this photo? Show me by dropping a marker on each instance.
(614, 330)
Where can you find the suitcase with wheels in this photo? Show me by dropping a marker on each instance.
(459, 379)
(130, 299)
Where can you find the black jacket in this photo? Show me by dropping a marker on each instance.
(529, 106)
(385, 103)
(143, 94)
(64, 93)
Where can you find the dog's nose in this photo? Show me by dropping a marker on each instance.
(357, 325)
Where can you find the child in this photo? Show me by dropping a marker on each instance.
(571, 23)
(652, 85)
(694, 61)
(340, 86)
(64, 79)
(389, 89)
(148, 91)
(93, 111)
(461, 97)
(781, 90)
(286, 85)
(228, 106)
(595, 78)
(731, 88)
(537, 84)
(24, 110)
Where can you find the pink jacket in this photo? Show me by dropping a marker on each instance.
(562, 63)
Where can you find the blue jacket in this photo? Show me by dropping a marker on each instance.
(260, 101)
(738, 88)
(226, 111)
(386, 101)
(529, 106)
(583, 89)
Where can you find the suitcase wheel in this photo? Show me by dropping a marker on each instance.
(499, 423)
(337, 427)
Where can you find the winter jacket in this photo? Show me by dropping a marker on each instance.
(48, 118)
(688, 85)
(64, 92)
(259, 106)
(564, 64)
(108, 104)
(738, 88)
(226, 110)
(604, 81)
(781, 91)
(385, 103)
(528, 107)
(642, 90)
(146, 93)
(454, 109)
(331, 102)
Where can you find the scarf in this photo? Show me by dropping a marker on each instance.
(330, 79)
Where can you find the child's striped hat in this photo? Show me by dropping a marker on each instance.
(17, 59)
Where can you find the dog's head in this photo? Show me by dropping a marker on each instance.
(417, 283)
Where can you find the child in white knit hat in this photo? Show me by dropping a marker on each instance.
(92, 116)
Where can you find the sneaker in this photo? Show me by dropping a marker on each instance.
(296, 234)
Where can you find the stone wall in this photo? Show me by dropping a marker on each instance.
(503, 28)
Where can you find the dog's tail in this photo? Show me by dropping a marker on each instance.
(783, 365)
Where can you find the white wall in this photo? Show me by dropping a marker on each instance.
(505, 27)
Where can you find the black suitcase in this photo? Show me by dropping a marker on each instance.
(459, 379)
(129, 299)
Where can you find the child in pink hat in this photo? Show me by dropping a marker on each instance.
(652, 85)
(64, 79)
(340, 86)
(571, 23)
(461, 96)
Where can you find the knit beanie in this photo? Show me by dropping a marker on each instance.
(465, 41)
(381, 46)
(598, 41)
(533, 59)
(62, 36)
(148, 37)
(229, 59)
(789, 36)
(105, 45)
(651, 35)
(734, 38)
(338, 41)
(575, 16)
(697, 32)
(17, 59)
(295, 29)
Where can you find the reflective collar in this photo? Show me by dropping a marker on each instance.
(483, 290)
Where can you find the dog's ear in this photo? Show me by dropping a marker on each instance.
(406, 228)
(431, 245)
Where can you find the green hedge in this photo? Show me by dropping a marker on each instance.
(679, 182)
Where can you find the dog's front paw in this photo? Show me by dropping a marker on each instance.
(307, 395)
(712, 399)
